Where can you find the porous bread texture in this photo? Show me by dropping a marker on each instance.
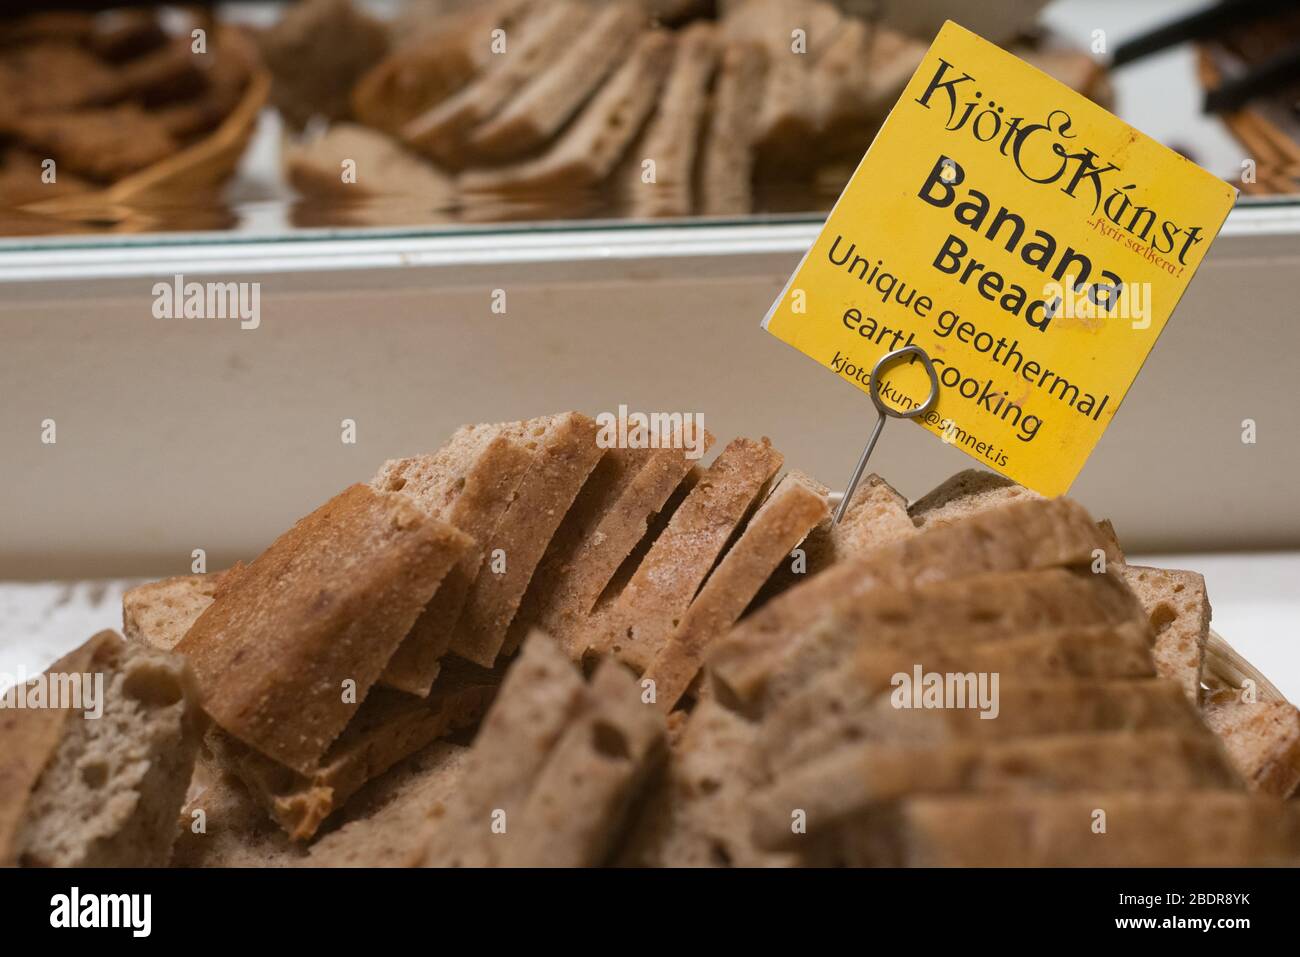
(570, 580)
(600, 764)
(542, 690)
(388, 728)
(287, 653)
(385, 730)
(374, 830)
(550, 744)
(698, 814)
(877, 517)
(109, 790)
(1262, 739)
(160, 613)
(1179, 610)
(436, 481)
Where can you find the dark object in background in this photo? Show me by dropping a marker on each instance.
(316, 54)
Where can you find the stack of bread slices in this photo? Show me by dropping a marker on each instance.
(526, 109)
(528, 649)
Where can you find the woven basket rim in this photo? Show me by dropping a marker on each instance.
(1225, 669)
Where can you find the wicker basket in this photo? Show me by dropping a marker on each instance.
(1225, 669)
(198, 168)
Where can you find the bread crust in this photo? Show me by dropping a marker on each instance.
(566, 452)
(327, 603)
(636, 624)
(793, 509)
(1028, 535)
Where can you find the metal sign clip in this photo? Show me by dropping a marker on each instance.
(884, 410)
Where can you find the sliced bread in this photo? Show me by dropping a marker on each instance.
(285, 654)
(223, 825)
(1093, 829)
(388, 728)
(554, 770)
(565, 452)
(975, 609)
(590, 147)
(555, 94)
(824, 714)
(160, 613)
(541, 37)
(697, 815)
(673, 137)
(1022, 536)
(433, 62)
(859, 777)
(1114, 551)
(785, 124)
(95, 775)
(1179, 609)
(374, 831)
(727, 154)
(599, 765)
(794, 508)
(352, 162)
(840, 78)
(541, 693)
(1262, 739)
(966, 494)
(468, 483)
(877, 516)
(378, 826)
(635, 626)
(1024, 708)
(609, 518)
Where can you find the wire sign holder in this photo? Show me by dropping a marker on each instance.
(884, 410)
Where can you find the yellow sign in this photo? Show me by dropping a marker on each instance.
(1032, 243)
